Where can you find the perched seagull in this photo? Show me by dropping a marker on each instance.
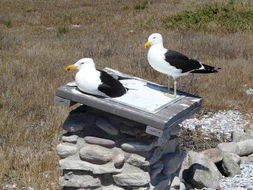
(173, 63)
(95, 82)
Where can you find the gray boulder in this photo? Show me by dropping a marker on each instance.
(214, 154)
(228, 166)
(238, 136)
(199, 171)
(245, 147)
(231, 147)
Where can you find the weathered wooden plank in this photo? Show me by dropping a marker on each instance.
(111, 107)
(156, 122)
(63, 101)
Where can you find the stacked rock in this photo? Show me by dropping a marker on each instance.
(105, 152)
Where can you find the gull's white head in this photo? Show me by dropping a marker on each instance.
(82, 64)
(154, 39)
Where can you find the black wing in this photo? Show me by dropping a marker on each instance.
(110, 86)
(181, 61)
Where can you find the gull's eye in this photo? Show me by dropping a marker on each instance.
(82, 63)
(154, 37)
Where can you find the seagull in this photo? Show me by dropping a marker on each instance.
(172, 63)
(95, 82)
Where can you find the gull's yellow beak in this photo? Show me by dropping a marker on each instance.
(147, 44)
(70, 67)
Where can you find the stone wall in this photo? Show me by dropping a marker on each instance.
(105, 152)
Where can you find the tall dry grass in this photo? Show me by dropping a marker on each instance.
(38, 39)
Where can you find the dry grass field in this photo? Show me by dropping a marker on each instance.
(38, 38)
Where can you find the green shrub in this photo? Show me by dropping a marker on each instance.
(218, 17)
(62, 30)
(142, 5)
(7, 23)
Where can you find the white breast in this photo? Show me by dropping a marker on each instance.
(157, 61)
(88, 81)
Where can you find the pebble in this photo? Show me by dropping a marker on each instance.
(136, 147)
(106, 126)
(223, 122)
(99, 141)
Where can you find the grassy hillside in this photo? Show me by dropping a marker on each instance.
(39, 38)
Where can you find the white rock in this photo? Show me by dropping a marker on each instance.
(64, 150)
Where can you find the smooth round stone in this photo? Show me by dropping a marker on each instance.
(138, 161)
(132, 179)
(70, 139)
(136, 147)
(65, 150)
(106, 126)
(118, 160)
(96, 154)
(99, 141)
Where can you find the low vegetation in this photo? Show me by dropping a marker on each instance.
(41, 41)
(224, 17)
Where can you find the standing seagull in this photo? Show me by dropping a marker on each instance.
(173, 63)
(95, 82)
